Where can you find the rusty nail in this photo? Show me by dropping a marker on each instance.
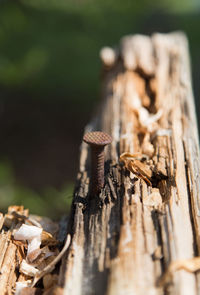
(97, 141)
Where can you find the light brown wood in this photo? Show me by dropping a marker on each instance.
(126, 240)
(7, 263)
(19, 274)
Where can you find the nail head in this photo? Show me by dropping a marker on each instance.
(97, 138)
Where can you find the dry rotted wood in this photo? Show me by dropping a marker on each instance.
(8, 261)
(129, 239)
(25, 267)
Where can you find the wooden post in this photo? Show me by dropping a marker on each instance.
(141, 234)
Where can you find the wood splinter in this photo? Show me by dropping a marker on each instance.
(148, 109)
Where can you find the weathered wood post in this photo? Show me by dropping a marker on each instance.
(141, 234)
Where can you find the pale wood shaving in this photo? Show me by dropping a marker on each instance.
(190, 265)
(108, 56)
(28, 269)
(51, 266)
(154, 199)
(23, 258)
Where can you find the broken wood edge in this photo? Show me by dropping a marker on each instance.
(115, 237)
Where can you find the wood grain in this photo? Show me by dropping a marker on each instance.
(125, 239)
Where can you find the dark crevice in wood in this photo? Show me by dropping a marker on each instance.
(116, 233)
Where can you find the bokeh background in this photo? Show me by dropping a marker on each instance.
(50, 83)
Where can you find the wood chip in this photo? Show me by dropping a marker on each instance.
(190, 265)
(51, 266)
(154, 199)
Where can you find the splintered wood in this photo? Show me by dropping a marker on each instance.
(28, 253)
(141, 235)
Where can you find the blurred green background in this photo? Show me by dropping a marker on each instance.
(50, 82)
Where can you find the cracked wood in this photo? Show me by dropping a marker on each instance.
(124, 241)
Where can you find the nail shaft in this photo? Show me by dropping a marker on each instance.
(97, 141)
